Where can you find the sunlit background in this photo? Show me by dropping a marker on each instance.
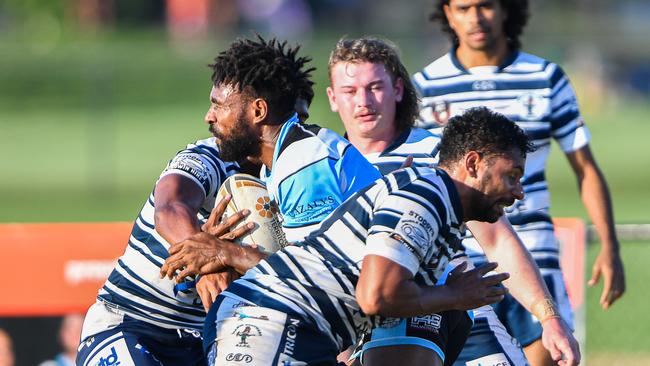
(97, 95)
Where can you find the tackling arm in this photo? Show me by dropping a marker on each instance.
(595, 196)
(500, 242)
(386, 288)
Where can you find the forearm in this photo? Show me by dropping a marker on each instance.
(596, 198)
(407, 299)
(502, 245)
(176, 222)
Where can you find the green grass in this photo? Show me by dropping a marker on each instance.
(623, 328)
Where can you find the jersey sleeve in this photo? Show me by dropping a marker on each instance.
(405, 227)
(567, 126)
(355, 172)
(203, 169)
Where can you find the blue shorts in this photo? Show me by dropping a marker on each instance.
(444, 333)
(523, 325)
(133, 342)
(239, 333)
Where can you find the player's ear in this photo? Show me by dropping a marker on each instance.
(332, 99)
(260, 110)
(471, 161)
(447, 10)
(399, 89)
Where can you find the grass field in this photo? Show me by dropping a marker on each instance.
(86, 129)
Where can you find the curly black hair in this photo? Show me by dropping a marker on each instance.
(513, 26)
(265, 69)
(375, 50)
(482, 130)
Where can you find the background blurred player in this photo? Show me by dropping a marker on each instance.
(486, 67)
(69, 337)
(371, 91)
(6, 349)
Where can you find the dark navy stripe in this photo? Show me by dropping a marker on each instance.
(528, 218)
(533, 178)
(150, 241)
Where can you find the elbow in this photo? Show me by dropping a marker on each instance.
(371, 302)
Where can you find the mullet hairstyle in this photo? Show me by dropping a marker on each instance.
(265, 69)
(375, 50)
(482, 130)
(513, 26)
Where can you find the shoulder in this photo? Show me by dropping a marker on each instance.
(313, 141)
(442, 67)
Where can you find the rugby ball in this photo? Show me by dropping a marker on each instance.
(250, 192)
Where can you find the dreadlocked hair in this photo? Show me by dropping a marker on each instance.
(265, 69)
(513, 26)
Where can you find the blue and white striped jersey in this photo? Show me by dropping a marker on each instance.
(412, 217)
(419, 143)
(534, 93)
(134, 287)
(314, 170)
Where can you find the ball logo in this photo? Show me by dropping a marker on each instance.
(265, 207)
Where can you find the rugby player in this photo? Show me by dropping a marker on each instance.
(371, 91)
(486, 67)
(307, 169)
(377, 254)
(139, 318)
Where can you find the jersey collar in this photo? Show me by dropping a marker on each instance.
(507, 62)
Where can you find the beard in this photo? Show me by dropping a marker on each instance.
(486, 207)
(242, 142)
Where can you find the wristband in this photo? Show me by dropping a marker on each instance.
(544, 310)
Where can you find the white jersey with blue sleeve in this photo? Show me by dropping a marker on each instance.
(412, 217)
(134, 287)
(535, 94)
(314, 170)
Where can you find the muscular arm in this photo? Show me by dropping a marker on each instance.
(177, 199)
(502, 245)
(388, 289)
(595, 196)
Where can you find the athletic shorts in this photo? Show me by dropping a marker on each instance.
(523, 325)
(128, 341)
(489, 343)
(238, 333)
(444, 333)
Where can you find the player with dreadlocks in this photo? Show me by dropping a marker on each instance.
(308, 170)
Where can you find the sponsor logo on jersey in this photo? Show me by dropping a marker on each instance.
(427, 322)
(239, 357)
(190, 164)
(245, 331)
(290, 337)
(110, 360)
(483, 85)
(308, 210)
(496, 359)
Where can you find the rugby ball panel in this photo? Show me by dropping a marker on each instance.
(250, 192)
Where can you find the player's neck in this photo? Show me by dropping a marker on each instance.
(494, 56)
(373, 144)
(270, 135)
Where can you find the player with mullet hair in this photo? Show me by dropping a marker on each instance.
(370, 90)
(486, 67)
(374, 258)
